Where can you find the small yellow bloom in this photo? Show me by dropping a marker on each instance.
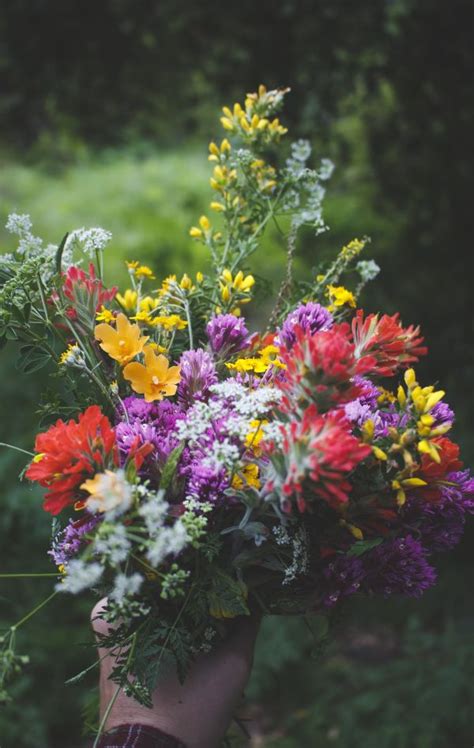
(104, 315)
(195, 232)
(132, 265)
(186, 283)
(169, 322)
(39, 457)
(121, 344)
(247, 477)
(255, 436)
(205, 223)
(128, 301)
(148, 303)
(143, 271)
(218, 207)
(199, 277)
(340, 296)
(155, 379)
(353, 529)
(71, 356)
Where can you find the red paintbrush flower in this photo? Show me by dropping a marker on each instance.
(320, 367)
(434, 473)
(69, 453)
(319, 453)
(391, 345)
(85, 290)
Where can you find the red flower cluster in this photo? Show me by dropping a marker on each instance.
(322, 365)
(85, 290)
(434, 473)
(320, 453)
(69, 453)
(387, 342)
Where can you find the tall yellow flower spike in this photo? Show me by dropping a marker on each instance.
(155, 379)
(121, 344)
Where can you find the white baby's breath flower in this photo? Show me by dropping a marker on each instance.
(91, 240)
(169, 541)
(154, 510)
(110, 493)
(126, 586)
(112, 543)
(79, 576)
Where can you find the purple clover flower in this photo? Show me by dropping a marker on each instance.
(442, 414)
(342, 577)
(227, 335)
(398, 567)
(198, 373)
(441, 523)
(72, 538)
(148, 422)
(311, 317)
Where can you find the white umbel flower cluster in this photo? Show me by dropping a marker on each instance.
(80, 576)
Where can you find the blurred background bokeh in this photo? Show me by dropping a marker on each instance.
(105, 113)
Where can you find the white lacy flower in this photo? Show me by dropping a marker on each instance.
(368, 270)
(126, 586)
(169, 541)
(109, 493)
(92, 240)
(154, 511)
(114, 545)
(79, 576)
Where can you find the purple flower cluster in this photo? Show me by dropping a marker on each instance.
(72, 538)
(227, 335)
(148, 422)
(396, 566)
(311, 317)
(441, 523)
(198, 373)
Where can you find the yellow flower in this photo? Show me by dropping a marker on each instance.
(132, 265)
(353, 249)
(186, 283)
(143, 271)
(105, 315)
(195, 233)
(266, 359)
(255, 436)
(147, 304)
(121, 344)
(199, 277)
(247, 477)
(170, 322)
(155, 379)
(128, 301)
(72, 356)
(340, 296)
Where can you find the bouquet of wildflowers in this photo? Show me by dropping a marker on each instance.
(195, 470)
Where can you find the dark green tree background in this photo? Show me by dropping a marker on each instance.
(385, 89)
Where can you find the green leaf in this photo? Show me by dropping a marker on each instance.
(227, 598)
(170, 466)
(362, 546)
(59, 253)
(32, 359)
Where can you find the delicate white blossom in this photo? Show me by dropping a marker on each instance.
(80, 576)
(126, 586)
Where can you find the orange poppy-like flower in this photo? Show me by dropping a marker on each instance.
(155, 379)
(123, 342)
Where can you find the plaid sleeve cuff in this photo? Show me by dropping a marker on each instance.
(138, 736)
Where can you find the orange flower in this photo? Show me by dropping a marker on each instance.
(155, 379)
(123, 343)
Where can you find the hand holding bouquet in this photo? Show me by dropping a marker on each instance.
(195, 470)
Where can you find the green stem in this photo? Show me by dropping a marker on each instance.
(17, 449)
(33, 612)
(28, 576)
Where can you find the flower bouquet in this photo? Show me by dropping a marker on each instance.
(195, 470)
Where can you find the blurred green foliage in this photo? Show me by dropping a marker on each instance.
(102, 108)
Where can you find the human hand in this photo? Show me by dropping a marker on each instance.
(199, 711)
